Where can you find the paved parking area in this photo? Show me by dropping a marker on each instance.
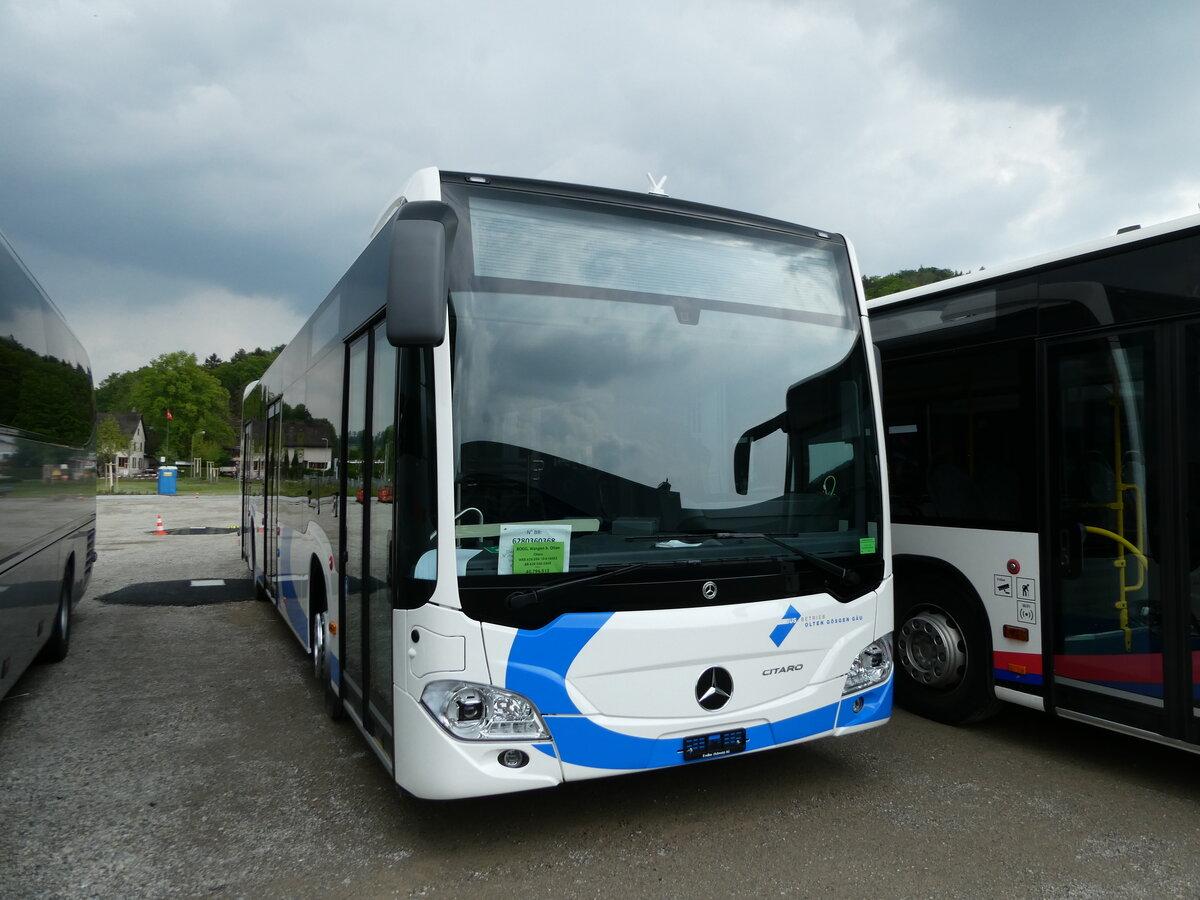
(181, 750)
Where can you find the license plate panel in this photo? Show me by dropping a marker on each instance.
(714, 744)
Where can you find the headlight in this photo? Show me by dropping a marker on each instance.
(480, 712)
(871, 667)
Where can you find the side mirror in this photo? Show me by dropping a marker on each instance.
(741, 464)
(421, 239)
(741, 450)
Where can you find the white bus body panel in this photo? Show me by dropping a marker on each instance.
(425, 184)
(618, 690)
(296, 550)
(1004, 569)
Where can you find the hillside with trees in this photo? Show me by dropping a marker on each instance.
(881, 285)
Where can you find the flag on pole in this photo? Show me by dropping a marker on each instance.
(169, 416)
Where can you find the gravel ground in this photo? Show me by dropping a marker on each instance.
(181, 751)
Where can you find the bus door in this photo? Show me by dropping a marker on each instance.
(272, 475)
(1116, 651)
(249, 540)
(370, 404)
(1188, 507)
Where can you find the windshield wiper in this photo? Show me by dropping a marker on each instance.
(520, 601)
(849, 577)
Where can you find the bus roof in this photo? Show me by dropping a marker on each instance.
(1120, 239)
(425, 184)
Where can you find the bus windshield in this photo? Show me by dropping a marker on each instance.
(637, 388)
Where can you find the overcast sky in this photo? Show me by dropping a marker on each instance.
(197, 175)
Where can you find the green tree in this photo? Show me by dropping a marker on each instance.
(109, 439)
(146, 390)
(45, 395)
(115, 393)
(881, 285)
(195, 397)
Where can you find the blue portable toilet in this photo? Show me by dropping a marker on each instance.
(168, 479)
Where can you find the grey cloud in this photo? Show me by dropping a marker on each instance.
(250, 147)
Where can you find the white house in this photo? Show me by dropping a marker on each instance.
(131, 459)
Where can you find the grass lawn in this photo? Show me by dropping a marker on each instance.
(184, 485)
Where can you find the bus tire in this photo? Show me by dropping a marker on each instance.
(60, 636)
(321, 666)
(318, 651)
(260, 589)
(943, 651)
(318, 646)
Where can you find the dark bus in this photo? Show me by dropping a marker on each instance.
(47, 473)
(1044, 457)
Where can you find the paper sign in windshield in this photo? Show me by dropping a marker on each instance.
(534, 549)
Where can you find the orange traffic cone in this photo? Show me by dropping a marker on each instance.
(158, 526)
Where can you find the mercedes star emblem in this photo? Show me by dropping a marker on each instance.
(714, 688)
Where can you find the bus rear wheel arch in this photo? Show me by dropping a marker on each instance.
(943, 649)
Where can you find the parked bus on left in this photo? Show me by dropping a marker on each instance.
(47, 473)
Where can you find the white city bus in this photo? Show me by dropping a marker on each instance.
(47, 473)
(561, 482)
(1044, 465)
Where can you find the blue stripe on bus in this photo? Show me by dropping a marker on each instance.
(289, 599)
(1017, 678)
(877, 706)
(539, 660)
(582, 742)
(537, 667)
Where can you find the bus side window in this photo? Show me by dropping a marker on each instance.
(958, 436)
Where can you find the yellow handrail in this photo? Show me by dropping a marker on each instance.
(1122, 605)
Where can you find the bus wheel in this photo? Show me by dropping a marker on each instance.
(320, 664)
(60, 638)
(320, 652)
(320, 648)
(942, 651)
(260, 589)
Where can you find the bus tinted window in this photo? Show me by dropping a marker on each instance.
(956, 424)
(1149, 282)
(990, 313)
